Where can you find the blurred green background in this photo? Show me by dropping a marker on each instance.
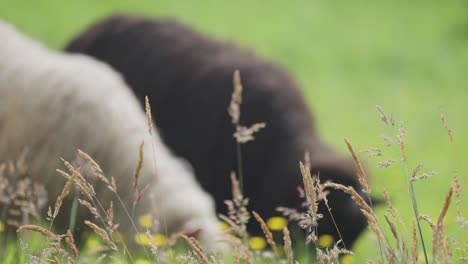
(348, 55)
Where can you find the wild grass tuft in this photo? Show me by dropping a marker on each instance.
(21, 198)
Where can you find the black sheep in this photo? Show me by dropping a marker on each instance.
(188, 78)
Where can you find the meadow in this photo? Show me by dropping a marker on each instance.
(348, 56)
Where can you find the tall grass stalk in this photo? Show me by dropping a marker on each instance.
(132, 222)
(241, 181)
(362, 177)
(404, 167)
(401, 140)
(74, 211)
(416, 214)
(235, 113)
(128, 215)
(240, 172)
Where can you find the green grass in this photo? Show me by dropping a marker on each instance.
(348, 55)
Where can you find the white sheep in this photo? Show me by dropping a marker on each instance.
(53, 104)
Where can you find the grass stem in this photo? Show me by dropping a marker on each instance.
(416, 214)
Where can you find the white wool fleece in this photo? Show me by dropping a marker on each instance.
(53, 104)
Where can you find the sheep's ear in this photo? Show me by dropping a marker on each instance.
(377, 201)
(374, 201)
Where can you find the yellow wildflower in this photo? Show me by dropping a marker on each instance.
(257, 243)
(142, 261)
(347, 259)
(276, 223)
(117, 237)
(92, 243)
(146, 221)
(143, 239)
(223, 226)
(159, 239)
(325, 240)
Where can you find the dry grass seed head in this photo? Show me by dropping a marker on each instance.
(91, 208)
(322, 193)
(414, 250)
(71, 243)
(388, 140)
(362, 178)
(194, 245)
(383, 116)
(417, 169)
(423, 176)
(172, 239)
(96, 168)
(373, 225)
(139, 166)
(240, 251)
(350, 191)
(288, 246)
(100, 258)
(456, 190)
(153, 247)
(39, 230)
(438, 247)
(415, 176)
(236, 191)
(245, 134)
(392, 119)
(386, 163)
(372, 152)
(428, 220)
(84, 186)
(138, 194)
(20, 196)
(266, 231)
(391, 209)
(63, 195)
(443, 118)
(310, 189)
(49, 213)
(233, 227)
(113, 186)
(111, 226)
(307, 162)
(102, 234)
(236, 98)
(393, 230)
(149, 119)
(401, 142)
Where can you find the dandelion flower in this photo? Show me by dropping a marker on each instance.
(325, 240)
(142, 261)
(92, 243)
(347, 259)
(223, 226)
(146, 221)
(276, 223)
(159, 239)
(257, 243)
(117, 237)
(143, 240)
